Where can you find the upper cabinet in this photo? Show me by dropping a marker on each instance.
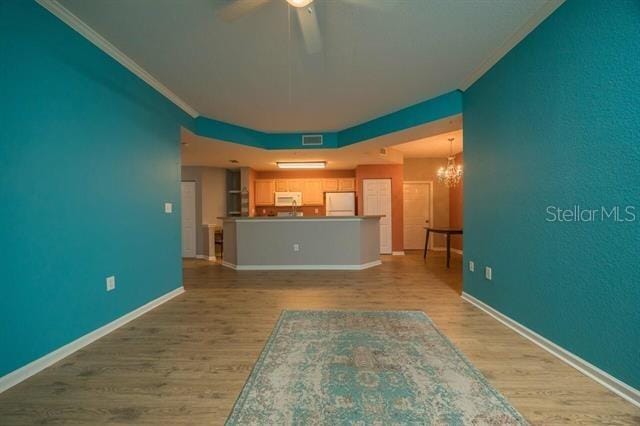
(312, 193)
(346, 184)
(339, 184)
(312, 189)
(296, 185)
(265, 192)
(330, 185)
(289, 185)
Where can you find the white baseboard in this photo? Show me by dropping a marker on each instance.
(51, 358)
(302, 267)
(397, 253)
(204, 257)
(605, 379)
(453, 250)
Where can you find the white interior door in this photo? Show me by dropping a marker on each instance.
(417, 213)
(188, 203)
(377, 200)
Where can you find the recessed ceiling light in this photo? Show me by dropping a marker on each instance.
(301, 164)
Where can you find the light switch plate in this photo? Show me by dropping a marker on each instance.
(111, 283)
(472, 266)
(487, 273)
(168, 207)
(296, 247)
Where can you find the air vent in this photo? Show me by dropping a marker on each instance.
(311, 140)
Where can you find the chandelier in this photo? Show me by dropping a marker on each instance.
(452, 174)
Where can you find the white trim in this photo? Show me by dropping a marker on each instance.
(90, 34)
(203, 257)
(453, 250)
(40, 364)
(302, 267)
(605, 379)
(536, 19)
(397, 253)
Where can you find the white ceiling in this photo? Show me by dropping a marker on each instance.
(378, 56)
(427, 140)
(201, 151)
(431, 147)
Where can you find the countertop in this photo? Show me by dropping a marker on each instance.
(271, 218)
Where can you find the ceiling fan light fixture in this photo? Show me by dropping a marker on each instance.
(299, 3)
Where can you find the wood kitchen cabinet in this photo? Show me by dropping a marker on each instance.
(265, 192)
(346, 184)
(312, 189)
(296, 185)
(330, 185)
(312, 193)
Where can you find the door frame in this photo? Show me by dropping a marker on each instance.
(195, 213)
(364, 180)
(430, 183)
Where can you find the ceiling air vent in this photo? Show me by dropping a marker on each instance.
(311, 140)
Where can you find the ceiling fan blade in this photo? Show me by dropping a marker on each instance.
(310, 29)
(236, 9)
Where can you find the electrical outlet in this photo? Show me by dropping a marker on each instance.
(296, 247)
(317, 211)
(487, 273)
(111, 283)
(168, 207)
(472, 266)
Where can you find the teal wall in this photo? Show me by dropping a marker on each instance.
(557, 122)
(434, 109)
(89, 153)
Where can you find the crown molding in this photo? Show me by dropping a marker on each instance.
(536, 19)
(90, 34)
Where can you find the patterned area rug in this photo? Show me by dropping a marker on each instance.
(366, 368)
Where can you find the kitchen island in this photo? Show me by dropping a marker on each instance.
(301, 242)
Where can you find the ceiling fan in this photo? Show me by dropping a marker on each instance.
(305, 10)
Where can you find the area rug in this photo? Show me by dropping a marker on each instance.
(366, 368)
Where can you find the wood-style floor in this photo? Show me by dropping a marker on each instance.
(187, 360)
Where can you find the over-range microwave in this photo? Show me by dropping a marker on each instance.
(288, 198)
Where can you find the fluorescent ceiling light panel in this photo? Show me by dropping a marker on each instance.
(302, 164)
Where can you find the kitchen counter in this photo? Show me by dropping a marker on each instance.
(263, 218)
(301, 242)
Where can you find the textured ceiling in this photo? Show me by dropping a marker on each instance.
(433, 146)
(378, 56)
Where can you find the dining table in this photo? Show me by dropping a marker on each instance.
(446, 231)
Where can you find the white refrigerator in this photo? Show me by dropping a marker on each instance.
(340, 203)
